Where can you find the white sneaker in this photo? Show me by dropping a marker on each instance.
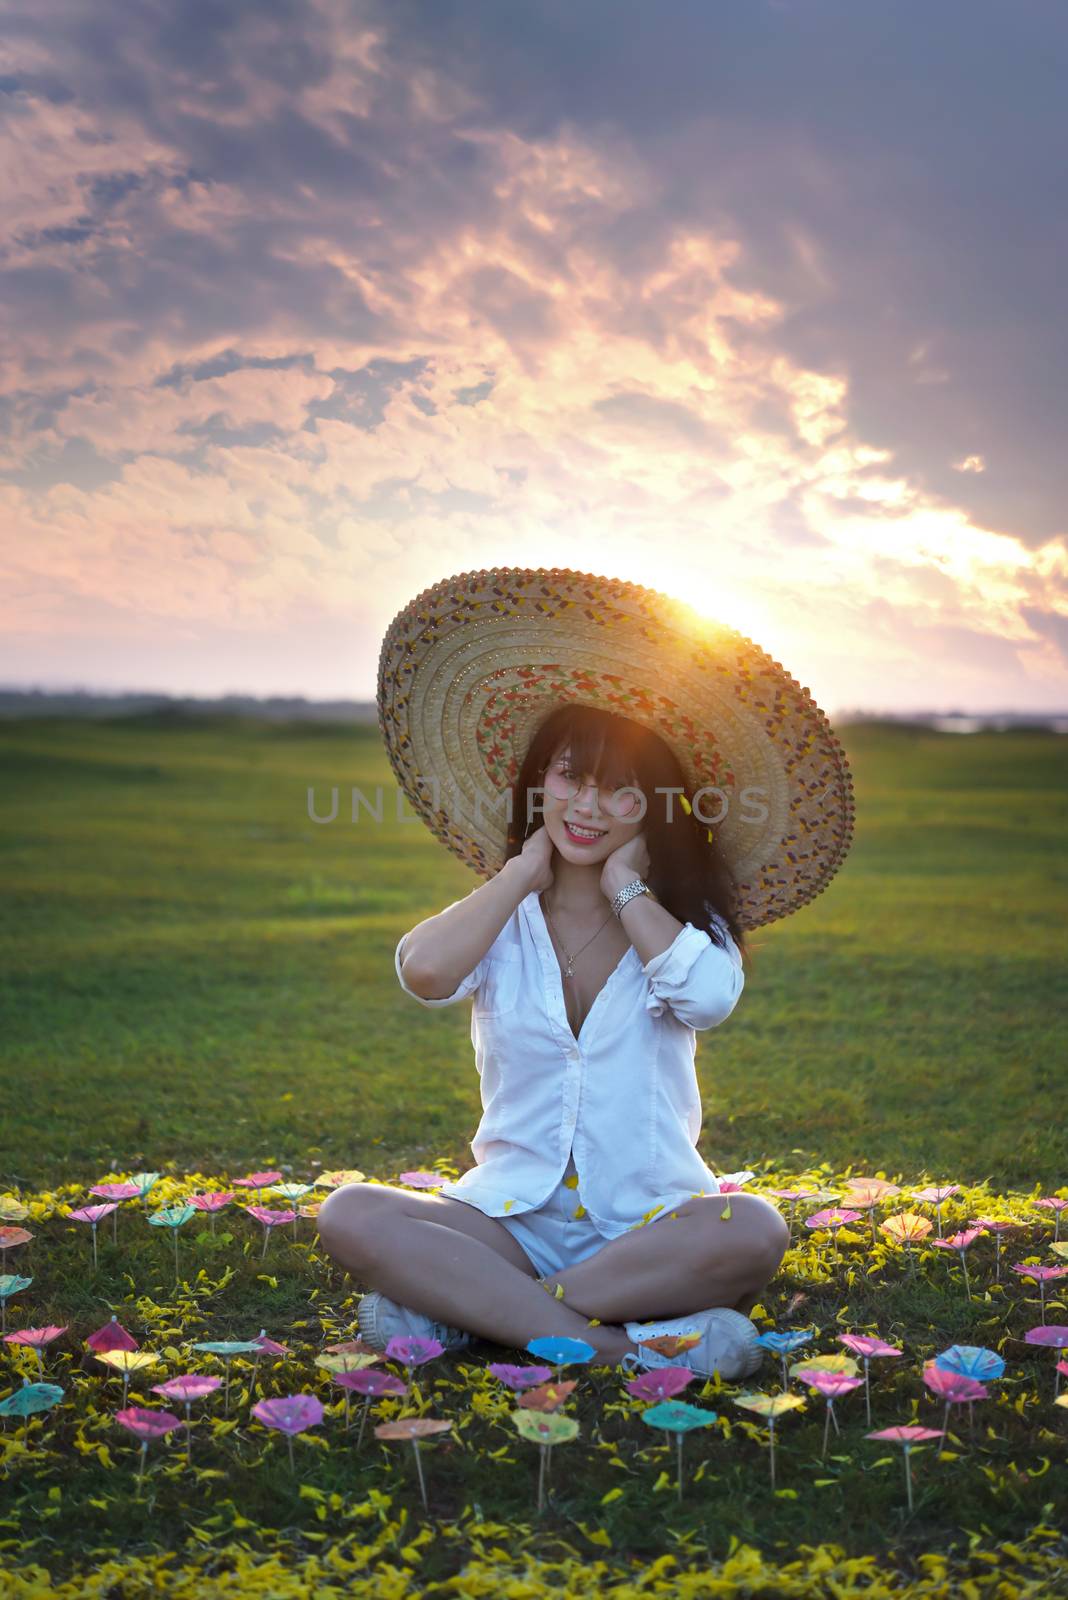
(381, 1319)
(728, 1346)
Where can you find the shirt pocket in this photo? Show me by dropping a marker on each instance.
(498, 993)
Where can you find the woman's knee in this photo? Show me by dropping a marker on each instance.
(353, 1220)
(760, 1238)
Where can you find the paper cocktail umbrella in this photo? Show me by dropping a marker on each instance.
(960, 1243)
(414, 1428)
(867, 1193)
(784, 1342)
(518, 1377)
(1050, 1334)
(678, 1417)
(954, 1388)
(173, 1217)
(560, 1351)
(36, 1339)
(906, 1228)
(833, 1218)
(10, 1239)
(116, 1191)
(545, 1429)
(1042, 1276)
(334, 1180)
(663, 1383)
(423, 1180)
(292, 1192)
(830, 1385)
(1054, 1203)
(146, 1425)
(211, 1203)
(270, 1219)
(290, 1414)
(186, 1388)
(770, 1406)
(971, 1361)
(258, 1180)
(832, 1363)
(413, 1351)
(143, 1182)
(94, 1215)
(10, 1284)
(997, 1226)
(112, 1336)
(908, 1434)
(867, 1345)
(334, 1359)
(128, 1361)
(12, 1209)
(28, 1400)
(227, 1349)
(546, 1396)
(372, 1385)
(936, 1195)
(265, 1347)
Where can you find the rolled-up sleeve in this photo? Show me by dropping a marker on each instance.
(464, 988)
(695, 978)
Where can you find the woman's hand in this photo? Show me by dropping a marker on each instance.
(536, 857)
(631, 860)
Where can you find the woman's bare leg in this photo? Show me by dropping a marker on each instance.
(454, 1264)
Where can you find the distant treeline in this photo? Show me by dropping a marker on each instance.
(18, 703)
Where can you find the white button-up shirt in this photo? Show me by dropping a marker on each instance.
(624, 1095)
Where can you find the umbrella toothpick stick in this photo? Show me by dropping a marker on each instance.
(678, 1461)
(419, 1470)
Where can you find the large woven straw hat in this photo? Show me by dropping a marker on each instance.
(471, 667)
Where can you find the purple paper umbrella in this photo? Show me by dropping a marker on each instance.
(960, 1243)
(146, 1425)
(211, 1203)
(906, 1434)
(94, 1215)
(1042, 1276)
(423, 1180)
(36, 1339)
(831, 1385)
(1054, 1203)
(954, 1389)
(186, 1388)
(290, 1414)
(112, 1336)
(270, 1219)
(867, 1345)
(413, 1351)
(1052, 1335)
(372, 1385)
(519, 1377)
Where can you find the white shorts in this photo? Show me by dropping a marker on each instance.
(551, 1235)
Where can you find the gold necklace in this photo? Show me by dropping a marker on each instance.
(570, 971)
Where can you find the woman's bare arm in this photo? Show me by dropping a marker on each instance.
(440, 951)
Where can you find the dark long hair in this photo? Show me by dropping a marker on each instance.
(687, 871)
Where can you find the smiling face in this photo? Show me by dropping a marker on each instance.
(585, 826)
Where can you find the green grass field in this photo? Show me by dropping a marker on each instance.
(198, 979)
(183, 948)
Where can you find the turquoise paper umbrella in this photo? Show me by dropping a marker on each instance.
(144, 1182)
(32, 1397)
(227, 1349)
(678, 1417)
(560, 1351)
(292, 1192)
(785, 1343)
(10, 1283)
(173, 1217)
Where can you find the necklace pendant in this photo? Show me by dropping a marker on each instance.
(569, 973)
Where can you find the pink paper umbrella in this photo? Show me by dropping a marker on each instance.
(867, 1345)
(833, 1217)
(186, 1388)
(372, 1385)
(906, 1434)
(1054, 1203)
(290, 1414)
(997, 1226)
(1052, 1335)
(960, 1243)
(830, 1385)
(146, 1425)
(112, 1336)
(270, 1219)
(423, 1180)
(36, 1338)
(116, 1191)
(953, 1388)
(94, 1215)
(258, 1180)
(267, 1347)
(211, 1203)
(936, 1195)
(10, 1239)
(413, 1351)
(662, 1383)
(1042, 1276)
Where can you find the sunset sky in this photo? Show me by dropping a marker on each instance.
(309, 304)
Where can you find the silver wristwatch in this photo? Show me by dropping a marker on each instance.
(629, 890)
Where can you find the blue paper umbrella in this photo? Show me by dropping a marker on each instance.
(560, 1351)
(971, 1361)
(784, 1343)
(678, 1417)
(10, 1283)
(32, 1397)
